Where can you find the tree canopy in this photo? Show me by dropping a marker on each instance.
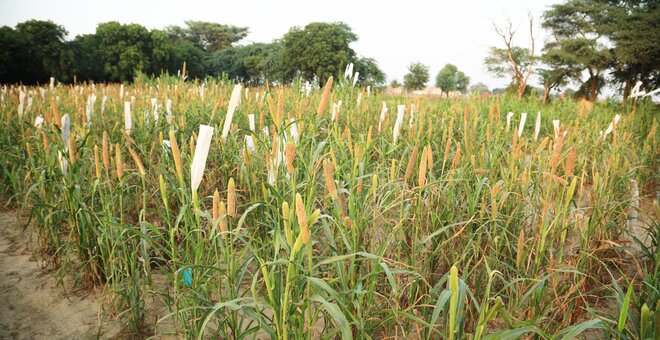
(36, 50)
(207, 36)
(319, 50)
(32, 52)
(449, 78)
(578, 43)
(591, 37)
(479, 88)
(417, 76)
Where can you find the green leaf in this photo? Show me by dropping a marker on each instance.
(334, 259)
(233, 305)
(511, 334)
(390, 277)
(337, 315)
(439, 305)
(242, 219)
(623, 315)
(573, 331)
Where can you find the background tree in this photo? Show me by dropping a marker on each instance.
(42, 52)
(124, 50)
(417, 76)
(395, 84)
(517, 62)
(462, 82)
(12, 55)
(208, 36)
(85, 57)
(632, 27)
(449, 78)
(181, 51)
(275, 66)
(446, 78)
(247, 64)
(552, 79)
(370, 73)
(319, 50)
(479, 88)
(578, 42)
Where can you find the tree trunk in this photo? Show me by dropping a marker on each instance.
(626, 89)
(594, 87)
(521, 89)
(546, 94)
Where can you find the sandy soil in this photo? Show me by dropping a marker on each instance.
(32, 304)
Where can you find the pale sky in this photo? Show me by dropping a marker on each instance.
(395, 33)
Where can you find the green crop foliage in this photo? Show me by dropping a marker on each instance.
(321, 226)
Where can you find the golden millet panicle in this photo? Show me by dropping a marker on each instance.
(393, 171)
(118, 162)
(555, 178)
(128, 137)
(556, 154)
(216, 206)
(349, 141)
(44, 139)
(97, 162)
(231, 198)
(106, 151)
(570, 163)
(457, 156)
(302, 219)
(222, 210)
(411, 162)
(429, 157)
(328, 175)
(286, 217)
(137, 161)
(447, 146)
(290, 153)
(521, 248)
(422, 168)
(176, 155)
(28, 149)
(191, 144)
(324, 97)
(72, 147)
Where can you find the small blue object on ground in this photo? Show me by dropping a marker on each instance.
(187, 276)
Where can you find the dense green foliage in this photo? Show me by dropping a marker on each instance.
(36, 50)
(417, 76)
(479, 88)
(319, 50)
(449, 78)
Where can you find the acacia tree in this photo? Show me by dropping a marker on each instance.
(208, 36)
(631, 27)
(515, 61)
(552, 79)
(578, 42)
(417, 76)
